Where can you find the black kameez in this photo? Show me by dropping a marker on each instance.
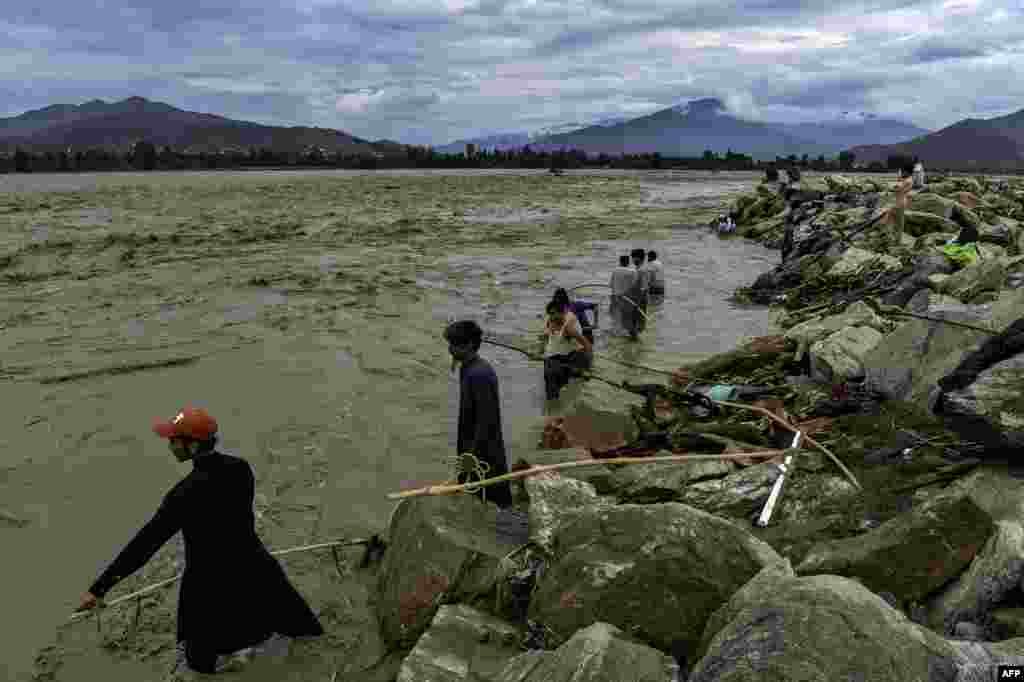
(234, 594)
(480, 425)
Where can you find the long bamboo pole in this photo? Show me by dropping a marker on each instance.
(163, 583)
(533, 471)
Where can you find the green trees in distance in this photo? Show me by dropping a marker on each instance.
(144, 155)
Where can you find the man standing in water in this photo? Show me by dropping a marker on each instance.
(657, 273)
(623, 277)
(638, 294)
(234, 594)
(479, 409)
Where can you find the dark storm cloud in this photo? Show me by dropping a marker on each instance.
(937, 52)
(420, 69)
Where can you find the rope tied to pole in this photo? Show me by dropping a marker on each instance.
(474, 469)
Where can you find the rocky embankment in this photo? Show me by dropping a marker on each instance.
(903, 366)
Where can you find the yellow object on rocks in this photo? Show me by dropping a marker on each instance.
(961, 254)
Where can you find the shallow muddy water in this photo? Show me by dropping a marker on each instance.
(304, 310)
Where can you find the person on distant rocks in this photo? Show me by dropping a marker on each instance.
(771, 174)
(794, 174)
(581, 309)
(623, 279)
(479, 410)
(567, 351)
(918, 175)
(657, 284)
(895, 213)
(234, 594)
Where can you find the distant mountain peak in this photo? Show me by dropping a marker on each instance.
(707, 105)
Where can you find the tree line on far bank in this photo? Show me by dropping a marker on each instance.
(146, 156)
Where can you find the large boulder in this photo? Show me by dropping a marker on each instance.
(926, 202)
(911, 555)
(598, 653)
(657, 571)
(994, 573)
(911, 359)
(665, 482)
(739, 495)
(441, 549)
(838, 357)
(841, 185)
(857, 314)
(461, 645)
(806, 494)
(1008, 622)
(995, 395)
(1002, 233)
(965, 217)
(917, 224)
(856, 260)
(1014, 272)
(763, 228)
(780, 628)
(977, 661)
(985, 274)
(556, 500)
(740, 204)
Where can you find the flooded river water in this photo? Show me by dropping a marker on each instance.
(304, 310)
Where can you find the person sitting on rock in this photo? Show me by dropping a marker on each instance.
(772, 173)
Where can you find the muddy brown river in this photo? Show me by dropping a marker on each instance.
(304, 310)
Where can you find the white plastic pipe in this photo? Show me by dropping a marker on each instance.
(776, 493)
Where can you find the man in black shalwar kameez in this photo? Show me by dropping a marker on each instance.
(479, 409)
(234, 594)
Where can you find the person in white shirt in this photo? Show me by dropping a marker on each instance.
(639, 293)
(567, 351)
(656, 289)
(918, 175)
(623, 278)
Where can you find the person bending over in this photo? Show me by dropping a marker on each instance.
(567, 350)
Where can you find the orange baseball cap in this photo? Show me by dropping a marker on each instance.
(192, 422)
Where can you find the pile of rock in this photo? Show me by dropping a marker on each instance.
(670, 592)
(656, 572)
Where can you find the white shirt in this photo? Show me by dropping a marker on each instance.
(657, 271)
(623, 277)
(644, 271)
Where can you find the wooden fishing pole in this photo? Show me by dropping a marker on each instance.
(533, 356)
(447, 489)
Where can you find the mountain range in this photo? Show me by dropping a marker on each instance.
(986, 143)
(683, 130)
(691, 128)
(118, 125)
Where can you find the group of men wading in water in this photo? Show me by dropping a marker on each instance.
(235, 597)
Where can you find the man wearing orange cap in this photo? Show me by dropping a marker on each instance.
(234, 593)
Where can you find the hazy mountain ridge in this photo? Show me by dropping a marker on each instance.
(995, 143)
(119, 124)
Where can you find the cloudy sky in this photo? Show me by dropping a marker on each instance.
(432, 71)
